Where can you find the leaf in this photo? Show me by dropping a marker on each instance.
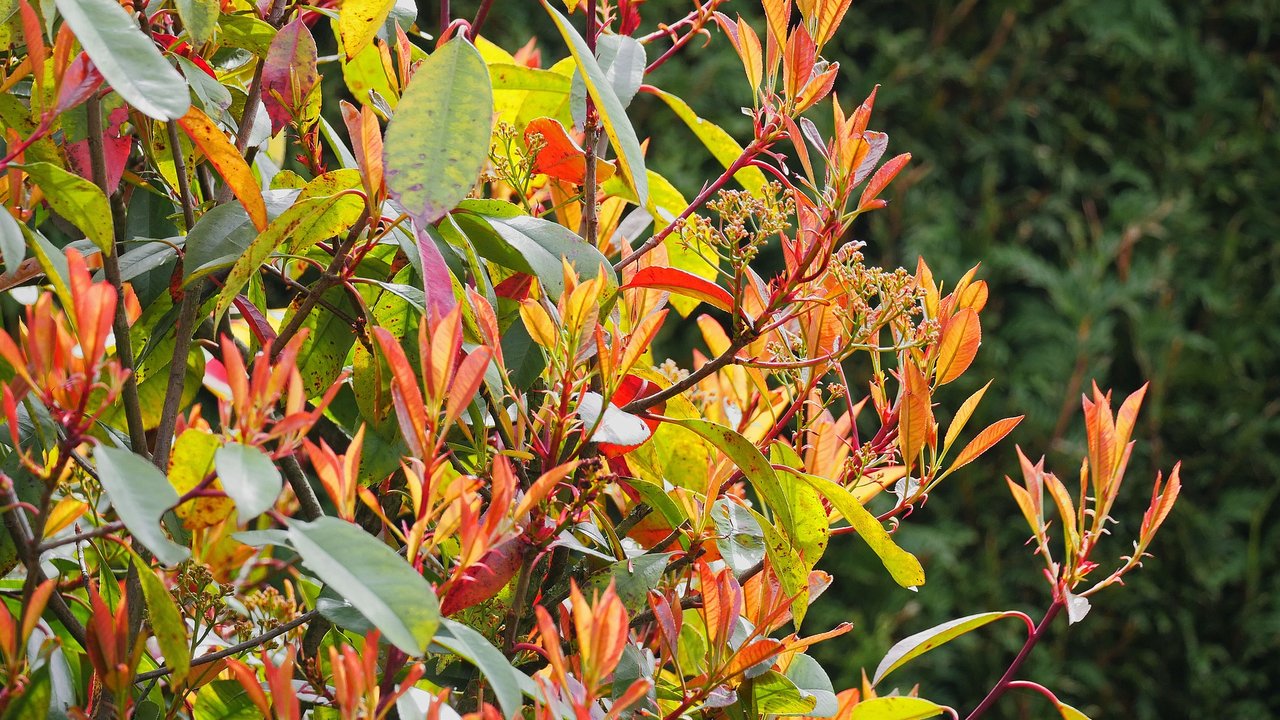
(189, 463)
(915, 415)
(13, 244)
(437, 282)
(438, 141)
(739, 537)
(228, 162)
(140, 494)
(994, 433)
(787, 565)
(359, 22)
(247, 32)
(538, 247)
(922, 642)
(775, 694)
(78, 200)
(723, 147)
(812, 680)
(249, 477)
(504, 680)
(305, 223)
(560, 157)
(895, 708)
(682, 283)
(902, 565)
(958, 346)
(289, 74)
(612, 115)
(372, 577)
(166, 621)
(615, 427)
(747, 458)
(880, 181)
(962, 416)
(622, 61)
(199, 17)
(128, 59)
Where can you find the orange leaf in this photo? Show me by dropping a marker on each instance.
(366, 145)
(994, 433)
(467, 381)
(915, 415)
(560, 156)
(798, 61)
(752, 655)
(228, 162)
(684, 283)
(959, 345)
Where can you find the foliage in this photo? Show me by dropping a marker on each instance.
(451, 319)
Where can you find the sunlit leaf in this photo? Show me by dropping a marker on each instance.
(993, 434)
(78, 200)
(682, 283)
(721, 144)
(228, 162)
(958, 346)
(438, 141)
(922, 642)
(896, 708)
(359, 21)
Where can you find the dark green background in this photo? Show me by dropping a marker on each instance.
(1115, 167)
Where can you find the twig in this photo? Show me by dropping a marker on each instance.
(1005, 681)
(728, 356)
(99, 531)
(23, 541)
(249, 644)
(327, 281)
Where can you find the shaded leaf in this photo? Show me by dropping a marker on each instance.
(372, 577)
(249, 477)
(504, 680)
(166, 621)
(128, 59)
(140, 494)
(78, 200)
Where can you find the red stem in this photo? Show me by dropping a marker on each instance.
(1006, 681)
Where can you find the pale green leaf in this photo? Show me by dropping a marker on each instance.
(78, 200)
(199, 17)
(166, 621)
(140, 494)
(379, 583)
(129, 60)
(896, 708)
(13, 244)
(249, 478)
(504, 680)
(902, 565)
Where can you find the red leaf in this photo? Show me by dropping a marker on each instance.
(436, 280)
(80, 80)
(486, 578)
(258, 325)
(290, 73)
(684, 283)
(881, 180)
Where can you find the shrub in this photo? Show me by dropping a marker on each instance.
(511, 506)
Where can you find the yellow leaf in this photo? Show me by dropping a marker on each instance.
(359, 20)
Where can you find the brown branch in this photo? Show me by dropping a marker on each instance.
(249, 644)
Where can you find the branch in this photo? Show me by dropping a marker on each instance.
(728, 356)
(111, 269)
(23, 541)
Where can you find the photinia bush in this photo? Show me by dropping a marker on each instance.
(349, 408)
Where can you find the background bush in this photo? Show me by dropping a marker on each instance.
(1115, 166)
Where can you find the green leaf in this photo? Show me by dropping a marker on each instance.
(305, 223)
(786, 563)
(622, 60)
(739, 536)
(922, 642)
(140, 494)
(896, 708)
(249, 477)
(614, 118)
(225, 700)
(504, 680)
(633, 578)
(33, 703)
(721, 144)
(812, 680)
(224, 233)
(13, 244)
(247, 32)
(534, 246)
(902, 565)
(753, 464)
(78, 200)
(438, 141)
(129, 61)
(166, 621)
(199, 17)
(775, 694)
(372, 577)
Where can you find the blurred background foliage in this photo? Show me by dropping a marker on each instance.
(1115, 167)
